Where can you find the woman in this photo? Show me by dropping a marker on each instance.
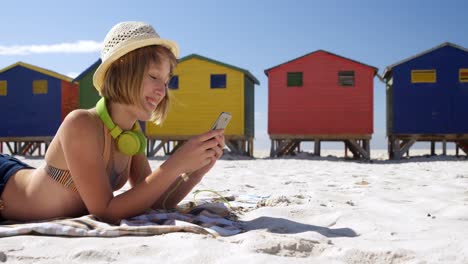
(96, 151)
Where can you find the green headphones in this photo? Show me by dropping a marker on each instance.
(128, 142)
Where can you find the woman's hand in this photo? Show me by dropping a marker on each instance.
(219, 152)
(198, 152)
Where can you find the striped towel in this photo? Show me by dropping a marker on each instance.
(213, 219)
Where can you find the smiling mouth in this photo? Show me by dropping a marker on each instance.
(151, 101)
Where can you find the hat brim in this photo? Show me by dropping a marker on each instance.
(98, 77)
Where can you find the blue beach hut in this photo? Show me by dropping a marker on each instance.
(33, 103)
(427, 95)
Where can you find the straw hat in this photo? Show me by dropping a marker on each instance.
(125, 37)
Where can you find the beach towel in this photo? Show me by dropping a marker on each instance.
(199, 220)
(207, 218)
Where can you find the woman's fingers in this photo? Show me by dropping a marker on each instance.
(221, 141)
(210, 134)
(210, 153)
(219, 152)
(209, 144)
(215, 152)
(202, 150)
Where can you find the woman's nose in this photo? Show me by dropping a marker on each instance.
(160, 90)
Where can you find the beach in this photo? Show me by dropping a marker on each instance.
(311, 210)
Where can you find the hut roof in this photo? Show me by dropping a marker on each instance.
(79, 77)
(37, 69)
(267, 70)
(388, 70)
(246, 72)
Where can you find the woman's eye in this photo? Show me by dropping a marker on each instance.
(153, 77)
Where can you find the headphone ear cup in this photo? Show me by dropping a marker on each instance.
(142, 139)
(129, 143)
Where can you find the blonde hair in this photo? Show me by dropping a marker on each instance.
(123, 79)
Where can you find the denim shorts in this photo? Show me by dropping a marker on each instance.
(8, 167)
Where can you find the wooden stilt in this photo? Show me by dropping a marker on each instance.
(345, 150)
(165, 148)
(396, 149)
(357, 150)
(291, 145)
(27, 146)
(153, 149)
(366, 146)
(317, 147)
(399, 144)
(10, 149)
(463, 145)
(272, 147)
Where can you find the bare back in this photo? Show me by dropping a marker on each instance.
(32, 194)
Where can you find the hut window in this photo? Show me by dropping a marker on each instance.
(423, 76)
(346, 78)
(40, 87)
(218, 81)
(463, 75)
(3, 88)
(174, 82)
(294, 79)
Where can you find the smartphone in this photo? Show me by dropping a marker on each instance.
(222, 121)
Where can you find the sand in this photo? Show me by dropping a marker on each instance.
(313, 210)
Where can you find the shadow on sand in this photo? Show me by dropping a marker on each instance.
(285, 226)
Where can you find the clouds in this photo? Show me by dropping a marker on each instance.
(72, 74)
(81, 46)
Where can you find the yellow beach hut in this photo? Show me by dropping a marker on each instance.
(200, 90)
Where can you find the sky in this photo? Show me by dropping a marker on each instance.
(66, 36)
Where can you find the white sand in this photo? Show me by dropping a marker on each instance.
(319, 210)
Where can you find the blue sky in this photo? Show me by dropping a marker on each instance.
(64, 36)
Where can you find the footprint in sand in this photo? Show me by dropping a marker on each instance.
(294, 182)
(289, 247)
(91, 255)
(282, 201)
(356, 256)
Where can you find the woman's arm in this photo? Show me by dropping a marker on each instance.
(178, 189)
(80, 143)
(139, 169)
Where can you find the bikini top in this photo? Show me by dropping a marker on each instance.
(64, 177)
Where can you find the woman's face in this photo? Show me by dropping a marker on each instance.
(154, 87)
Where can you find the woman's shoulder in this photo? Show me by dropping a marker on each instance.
(79, 132)
(81, 120)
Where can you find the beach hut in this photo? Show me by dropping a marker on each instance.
(88, 95)
(427, 98)
(33, 102)
(318, 97)
(200, 90)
